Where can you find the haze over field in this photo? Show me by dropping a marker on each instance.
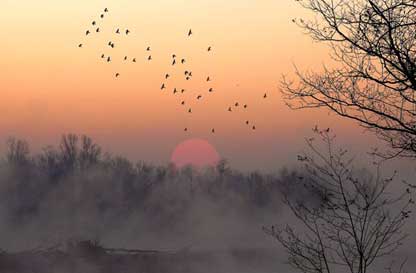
(161, 136)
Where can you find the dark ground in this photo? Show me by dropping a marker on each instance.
(87, 257)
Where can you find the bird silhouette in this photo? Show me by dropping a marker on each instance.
(118, 31)
(210, 90)
(213, 130)
(93, 23)
(186, 129)
(173, 56)
(183, 90)
(125, 58)
(188, 78)
(189, 32)
(173, 62)
(148, 48)
(80, 45)
(127, 32)
(189, 110)
(186, 72)
(190, 74)
(102, 56)
(175, 90)
(247, 122)
(149, 58)
(199, 97)
(209, 48)
(208, 79)
(162, 87)
(106, 10)
(117, 75)
(236, 104)
(134, 60)
(183, 61)
(229, 109)
(102, 16)
(87, 32)
(183, 102)
(108, 59)
(167, 76)
(265, 95)
(97, 30)
(245, 106)
(254, 127)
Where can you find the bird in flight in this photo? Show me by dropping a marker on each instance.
(186, 72)
(213, 130)
(247, 122)
(125, 58)
(229, 109)
(189, 32)
(93, 23)
(87, 32)
(209, 49)
(149, 58)
(208, 79)
(173, 62)
(183, 61)
(162, 87)
(199, 97)
(245, 105)
(210, 90)
(254, 127)
(102, 56)
(127, 32)
(189, 110)
(80, 45)
(265, 95)
(186, 129)
(134, 60)
(148, 48)
(175, 90)
(98, 29)
(167, 76)
(188, 78)
(183, 102)
(183, 90)
(118, 31)
(173, 56)
(108, 59)
(117, 75)
(106, 10)
(236, 104)
(102, 16)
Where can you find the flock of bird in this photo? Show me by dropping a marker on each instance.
(175, 60)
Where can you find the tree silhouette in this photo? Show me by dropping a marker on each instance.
(347, 219)
(374, 83)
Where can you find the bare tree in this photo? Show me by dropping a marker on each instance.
(347, 221)
(17, 151)
(374, 83)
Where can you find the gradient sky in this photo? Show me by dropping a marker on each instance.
(49, 86)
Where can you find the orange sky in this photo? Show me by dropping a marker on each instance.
(49, 86)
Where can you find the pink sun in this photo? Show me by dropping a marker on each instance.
(195, 152)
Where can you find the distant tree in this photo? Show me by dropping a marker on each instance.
(374, 82)
(347, 219)
(17, 151)
(69, 151)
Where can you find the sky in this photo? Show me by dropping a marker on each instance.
(49, 86)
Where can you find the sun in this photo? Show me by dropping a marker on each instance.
(195, 152)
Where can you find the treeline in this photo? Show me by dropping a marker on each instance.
(76, 182)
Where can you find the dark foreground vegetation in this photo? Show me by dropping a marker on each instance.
(88, 256)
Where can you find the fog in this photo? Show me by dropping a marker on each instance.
(77, 193)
